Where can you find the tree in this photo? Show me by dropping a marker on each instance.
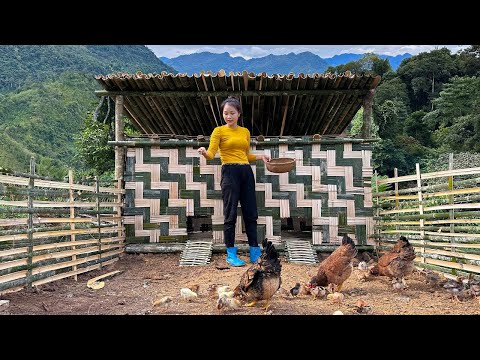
(425, 74)
(457, 115)
(469, 61)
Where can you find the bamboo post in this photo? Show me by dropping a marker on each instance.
(378, 212)
(450, 187)
(420, 208)
(395, 173)
(31, 185)
(119, 211)
(119, 154)
(450, 202)
(72, 216)
(97, 201)
(119, 150)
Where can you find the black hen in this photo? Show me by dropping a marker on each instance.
(262, 279)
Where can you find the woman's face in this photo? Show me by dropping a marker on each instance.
(230, 115)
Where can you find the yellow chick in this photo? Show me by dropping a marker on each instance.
(336, 297)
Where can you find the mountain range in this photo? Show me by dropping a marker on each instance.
(305, 62)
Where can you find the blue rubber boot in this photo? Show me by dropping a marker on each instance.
(255, 253)
(232, 258)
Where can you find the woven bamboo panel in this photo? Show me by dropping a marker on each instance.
(330, 185)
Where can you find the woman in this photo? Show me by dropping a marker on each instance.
(238, 182)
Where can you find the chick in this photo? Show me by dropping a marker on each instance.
(336, 297)
(226, 294)
(187, 294)
(398, 284)
(363, 271)
(222, 289)
(228, 302)
(295, 290)
(318, 292)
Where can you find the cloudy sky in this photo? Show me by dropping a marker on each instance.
(324, 51)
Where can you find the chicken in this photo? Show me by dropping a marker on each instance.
(397, 263)
(262, 279)
(337, 267)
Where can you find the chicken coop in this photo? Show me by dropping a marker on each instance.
(172, 193)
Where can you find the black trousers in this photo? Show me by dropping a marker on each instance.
(238, 184)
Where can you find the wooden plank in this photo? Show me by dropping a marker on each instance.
(453, 221)
(15, 251)
(10, 264)
(432, 175)
(66, 253)
(56, 204)
(454, 254)
(65, 264)
(41, 220)
(451, 265)
(15, 180)
(13, 276)
(44, 234)
(72, 273)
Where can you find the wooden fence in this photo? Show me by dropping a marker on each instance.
(438, 212)
(51, 230)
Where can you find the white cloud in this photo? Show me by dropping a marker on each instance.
(324, 51)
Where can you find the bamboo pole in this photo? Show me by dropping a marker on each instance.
(420, 206)
(378, 214)
(395, 174)
(98, 223)
(72, 217)
(119, 150)
(31, 184)
(182, 93)
(451, 201)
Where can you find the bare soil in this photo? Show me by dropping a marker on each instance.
(146, 278)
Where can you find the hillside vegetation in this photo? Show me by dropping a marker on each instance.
(46, 93)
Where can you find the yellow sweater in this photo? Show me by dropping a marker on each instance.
(234, 145)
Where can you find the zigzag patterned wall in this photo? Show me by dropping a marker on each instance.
(330, 185)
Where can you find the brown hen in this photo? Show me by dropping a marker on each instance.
(262, 279)
(336, 268)
(398, 262)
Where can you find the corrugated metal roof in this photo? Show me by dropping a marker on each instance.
(273, 105)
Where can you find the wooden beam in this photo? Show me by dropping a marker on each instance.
(119, 151)
(366, 130)
(182, 143)
(181, 93)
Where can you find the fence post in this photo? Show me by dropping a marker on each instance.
(420, 208)
(451, 211)
(378, 212)
(97, 201)
(395, 174)
(31, 183)
(72, 217)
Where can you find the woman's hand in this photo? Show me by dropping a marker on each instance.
(202, 151)
(265, 158)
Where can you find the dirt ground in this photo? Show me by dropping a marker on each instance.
(146, 278)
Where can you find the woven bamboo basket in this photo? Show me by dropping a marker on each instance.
(280, 165)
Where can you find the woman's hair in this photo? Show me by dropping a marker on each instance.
(232, 101)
